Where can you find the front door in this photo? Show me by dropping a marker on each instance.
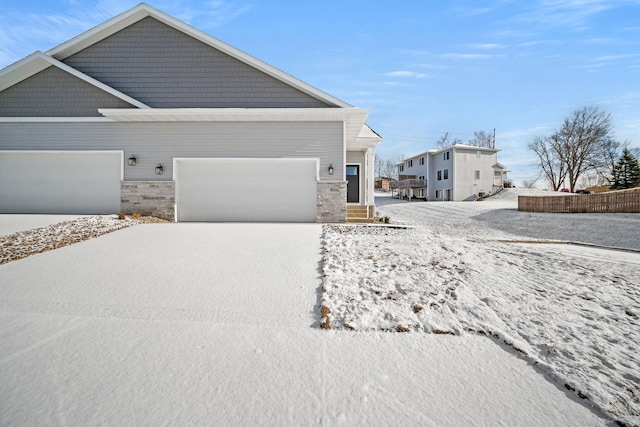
(353, 183)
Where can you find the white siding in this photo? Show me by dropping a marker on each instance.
(466, 163)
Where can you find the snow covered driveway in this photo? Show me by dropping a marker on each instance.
(216, 324)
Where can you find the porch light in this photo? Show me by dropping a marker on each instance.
(159, 169)
(131, 161)
(330, 169)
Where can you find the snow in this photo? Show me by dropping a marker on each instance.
(471, 268)
(13, 223)
(219, 324)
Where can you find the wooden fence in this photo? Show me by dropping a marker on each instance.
(625, 201)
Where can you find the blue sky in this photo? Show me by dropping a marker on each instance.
(422, 67)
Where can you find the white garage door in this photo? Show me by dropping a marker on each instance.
(60, 182)
(271, 190)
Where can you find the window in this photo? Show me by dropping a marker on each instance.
(445, 155)
(477, 175)
(438, 192)
(478, 153)
(400, 168)
(446, 174)
(439, 175)
(421, 192)
(421, 161)
(421, 177)
(410, 162)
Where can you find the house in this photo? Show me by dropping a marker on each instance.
(455, 173)
(383, 183)
(147, 114)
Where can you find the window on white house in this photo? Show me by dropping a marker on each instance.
(477, 175)
(421, 193)
(421, 162)
(478, 153)
(421, 177)
(438, 192)
(439, 175)
(446, 174)
(400, 168)
(445, 155)
(410, 162)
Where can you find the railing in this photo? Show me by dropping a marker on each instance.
(408, 183)
(627, 201)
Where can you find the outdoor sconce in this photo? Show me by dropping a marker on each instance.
(331, 169)
(131, 161)
(159, 169)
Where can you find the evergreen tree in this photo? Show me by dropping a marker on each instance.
(626, 172)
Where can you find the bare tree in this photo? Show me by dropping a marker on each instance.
(605, 170)
(549, 162)
(389, 169)
(583, 143)
(445, 140)
(529, 183)
(483, 139)
(378, 165)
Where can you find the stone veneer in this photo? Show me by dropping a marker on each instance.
(157, 198)
(153, 198)
(332, 201)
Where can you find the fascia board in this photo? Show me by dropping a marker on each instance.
(143, 10)
(38, 62)
(236, 114)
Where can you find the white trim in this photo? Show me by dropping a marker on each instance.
(354, 115)
(143, 10)
(54, 119)
(344, 153)
(38, 61)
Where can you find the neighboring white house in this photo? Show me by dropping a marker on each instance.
(454, 173)
(146, 114)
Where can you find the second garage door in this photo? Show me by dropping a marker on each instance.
(246, 190)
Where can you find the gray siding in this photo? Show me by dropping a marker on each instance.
(165, 68)
(154, 143)
(55, 93)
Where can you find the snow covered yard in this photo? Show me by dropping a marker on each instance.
(574, 314)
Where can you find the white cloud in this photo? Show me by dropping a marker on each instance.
(486, 46)
(409, 74)
(467, 56)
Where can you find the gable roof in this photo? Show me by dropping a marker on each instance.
(143, 10)
(38, 61)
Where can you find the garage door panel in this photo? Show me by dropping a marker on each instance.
(274, 190)
(60, 182)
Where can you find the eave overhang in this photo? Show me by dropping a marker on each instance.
(354, 118)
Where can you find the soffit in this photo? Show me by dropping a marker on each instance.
(353, 118)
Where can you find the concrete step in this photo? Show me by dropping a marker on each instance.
(358, 214)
